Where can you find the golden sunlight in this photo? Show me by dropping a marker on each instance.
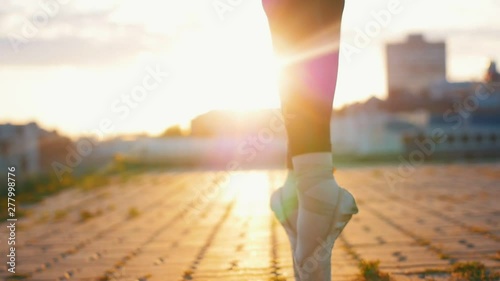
(252, 189)
(226, 66)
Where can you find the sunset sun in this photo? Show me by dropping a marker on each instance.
(228, 68)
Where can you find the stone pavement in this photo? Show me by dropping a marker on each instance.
(196, 225)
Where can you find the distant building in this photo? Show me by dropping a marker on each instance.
(230, 124)
(366, 129)
(213, 152)
(413, 65)
(444, 90)
(492, 75)
(469, 120)
(477, 135)
(30, 149)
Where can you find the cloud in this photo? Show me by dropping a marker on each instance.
(72, 38)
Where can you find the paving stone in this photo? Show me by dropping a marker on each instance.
(188, 228)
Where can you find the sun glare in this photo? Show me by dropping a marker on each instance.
(226, 68)
(252, 190)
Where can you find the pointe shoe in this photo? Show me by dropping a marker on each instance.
(285, 211)
(317, 266)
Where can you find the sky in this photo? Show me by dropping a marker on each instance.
(130, 66)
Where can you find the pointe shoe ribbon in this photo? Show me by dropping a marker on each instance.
(317, 266)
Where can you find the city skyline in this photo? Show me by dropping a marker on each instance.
(72, 75)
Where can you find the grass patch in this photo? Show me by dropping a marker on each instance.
(444, 256)
(479, 230)
(278, 278)
(60, 215)
(88, 215)
(472, 271)
(43, 218)
(188, 274)
(145, 277)
(369, 271)
(18, 276)
(133, 212)
(423, 242)
(93, 181)
(33, 189)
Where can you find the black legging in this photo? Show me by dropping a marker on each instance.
(308, 87)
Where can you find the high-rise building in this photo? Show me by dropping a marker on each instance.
(492, 74)
(413, 65)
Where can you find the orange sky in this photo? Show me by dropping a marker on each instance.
(75, 70)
